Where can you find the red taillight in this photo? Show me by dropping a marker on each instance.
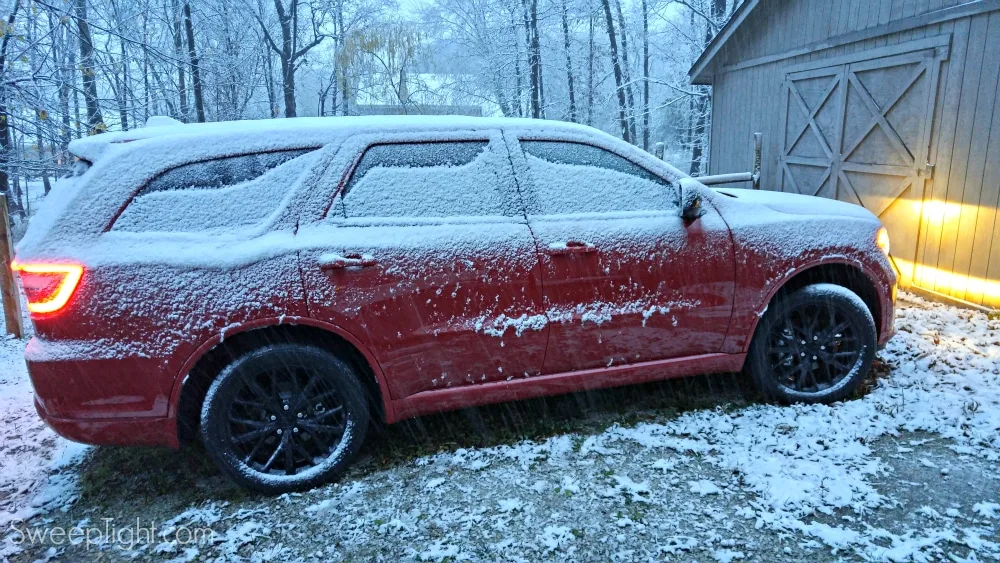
(48, 286)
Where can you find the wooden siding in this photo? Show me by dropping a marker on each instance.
(959, 237)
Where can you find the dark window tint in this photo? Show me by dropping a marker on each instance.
(215, 195)
(586, 155)
(415, 155)
(578, 178)
(219, 173)
(427, 180)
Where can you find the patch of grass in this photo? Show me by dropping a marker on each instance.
(584, 413)
(115, 477)
(118, 479)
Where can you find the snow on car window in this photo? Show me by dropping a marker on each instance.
(579, 178)
(216, 194)
(219, 173)
(426, 180)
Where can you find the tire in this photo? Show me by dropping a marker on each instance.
(815, 345)
(284, 417)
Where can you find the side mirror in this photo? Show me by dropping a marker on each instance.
(691, 196)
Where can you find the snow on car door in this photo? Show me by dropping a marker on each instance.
(427, 252)
(625, 280)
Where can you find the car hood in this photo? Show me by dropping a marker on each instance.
(797, 204)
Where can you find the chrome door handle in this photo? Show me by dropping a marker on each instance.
(341, 262)
(570, 247)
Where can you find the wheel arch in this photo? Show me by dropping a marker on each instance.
(846, 274)
(208, 360)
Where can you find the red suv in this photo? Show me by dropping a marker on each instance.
(275, 286)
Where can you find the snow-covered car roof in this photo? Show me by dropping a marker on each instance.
(300, 131)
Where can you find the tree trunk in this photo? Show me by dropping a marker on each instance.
(622, 109)
(627, 72)
(199, 100)
(590, 69)
(123, 90)
(645, 75)
(179, 55)
(145, 68)
(288, 87)
(94, 118)
(569, 63)
(272, 102)
(4, 115)
(63, 75)
(343, 78)
(334, 81)
(286, 21)
(536, 49)
(534, 98)
(40, 139)
(518, 90)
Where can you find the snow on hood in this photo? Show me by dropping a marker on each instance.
(797, 204)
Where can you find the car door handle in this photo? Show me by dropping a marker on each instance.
(341, 262)
(570, 247)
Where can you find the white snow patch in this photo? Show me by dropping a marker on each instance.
(704, 487)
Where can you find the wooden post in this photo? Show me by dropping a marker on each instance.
(8, 285)
(758, 145)
(658, 150)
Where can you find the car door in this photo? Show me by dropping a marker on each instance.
(625, 279)
(426, 250)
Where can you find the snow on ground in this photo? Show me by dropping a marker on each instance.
(36, 465)
(909, 472)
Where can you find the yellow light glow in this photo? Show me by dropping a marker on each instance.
(882, 240)
(936, 213)
(960, 285)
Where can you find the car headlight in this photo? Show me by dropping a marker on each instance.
(882, 240)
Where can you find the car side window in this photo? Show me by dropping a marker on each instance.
(428, 179)
(211, 195)
(572, 177)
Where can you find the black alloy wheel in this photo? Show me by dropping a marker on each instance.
(284, 417)
(814, 345)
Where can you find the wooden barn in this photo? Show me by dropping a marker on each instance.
(889, 104)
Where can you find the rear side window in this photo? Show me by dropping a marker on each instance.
(214, 195)
(578, 178)
(430, 179)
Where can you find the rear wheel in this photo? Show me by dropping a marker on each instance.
(815, 345)
(284, 417)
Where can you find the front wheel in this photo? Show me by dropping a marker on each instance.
(815, 345)
(284, 417)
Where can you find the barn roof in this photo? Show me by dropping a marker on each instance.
(697, 72)
(703, 70)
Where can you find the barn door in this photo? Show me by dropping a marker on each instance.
(859, 132)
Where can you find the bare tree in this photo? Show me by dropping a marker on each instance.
(619, 86)
(627, 73)
(289, 52)
(94, 118)
(569, 63)
(645, 75)
(199, 99)
(5, 117)
(175, 13)
(590, 64)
